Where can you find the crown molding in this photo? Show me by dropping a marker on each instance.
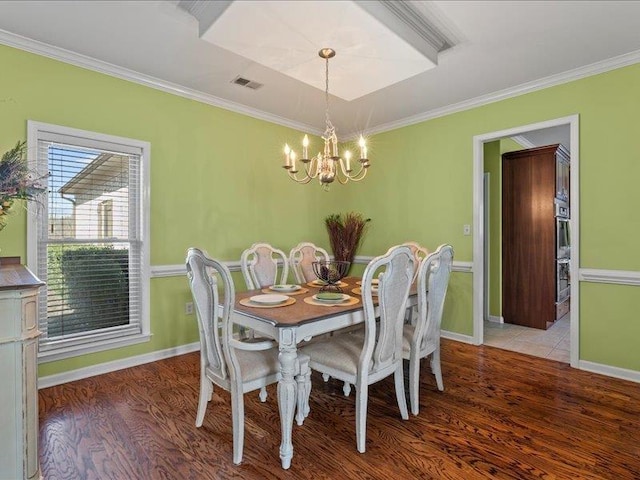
(409, 23)
(83, 61)
(565, 77)
(522, 141)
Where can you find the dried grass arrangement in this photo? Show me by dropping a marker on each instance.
(346, 232)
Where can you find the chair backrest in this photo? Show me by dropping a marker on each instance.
(433, 281)
(301, 259)
(383, 348)
(420, 253)
(211, 286)
(259, 265)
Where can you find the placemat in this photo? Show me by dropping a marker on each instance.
(351, 301)
(358, 291)
(340, 284)
(248, 303)
(295, 292)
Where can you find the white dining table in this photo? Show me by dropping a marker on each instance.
(290, 325)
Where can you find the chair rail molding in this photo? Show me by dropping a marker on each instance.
(457, 266)
(178, 270)
(619, 277)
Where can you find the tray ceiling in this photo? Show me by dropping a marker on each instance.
(500, 48)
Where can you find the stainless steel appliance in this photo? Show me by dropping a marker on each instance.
(563, 258)
(563, 280)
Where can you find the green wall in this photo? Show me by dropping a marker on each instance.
(493, 166)
(216, 180)
(216, 183)
(424, 192)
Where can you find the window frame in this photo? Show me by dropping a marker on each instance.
(35, 132)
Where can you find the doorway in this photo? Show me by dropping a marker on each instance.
(480, 230)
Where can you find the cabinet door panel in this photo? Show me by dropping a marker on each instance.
(528, 238)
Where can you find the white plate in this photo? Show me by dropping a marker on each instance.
(269, 299)
(339, 300)
(285, 288)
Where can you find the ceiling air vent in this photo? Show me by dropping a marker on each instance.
(245, 82)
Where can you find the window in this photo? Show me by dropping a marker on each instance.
(89, 240)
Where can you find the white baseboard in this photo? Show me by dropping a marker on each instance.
(609, 371)
(458, 337)
(86, 372)
(493, 318)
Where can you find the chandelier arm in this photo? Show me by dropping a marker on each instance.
(312, 168)
(295, 178)
(353, 176)
(356, 177)
(341, 181)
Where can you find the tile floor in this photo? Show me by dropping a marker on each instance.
(552, 343)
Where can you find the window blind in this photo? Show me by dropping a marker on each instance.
(89, 242)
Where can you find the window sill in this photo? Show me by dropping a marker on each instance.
(93, 347)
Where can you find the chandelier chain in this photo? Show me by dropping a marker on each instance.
(326, 94)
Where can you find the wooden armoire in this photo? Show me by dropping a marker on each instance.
(529, 265)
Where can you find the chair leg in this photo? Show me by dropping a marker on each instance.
(398, 376)
(206, 392)
(436, 369)
(303, 380)
(414, 382)
(362, 398)
(237, 413)
(346, 389)
(263, 394)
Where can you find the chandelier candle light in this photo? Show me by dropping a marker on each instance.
(324, 166)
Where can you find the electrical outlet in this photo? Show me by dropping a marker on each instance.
(466, 229)
(188, 308)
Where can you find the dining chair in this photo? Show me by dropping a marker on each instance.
(423, 338)
(363, 360)
(236, 366)
(301, 260)
(259, 264)
(420, 253)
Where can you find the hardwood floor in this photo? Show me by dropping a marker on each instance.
(502, 415)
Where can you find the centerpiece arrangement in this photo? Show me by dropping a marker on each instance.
(330, 273)
(17, 182)
(346, 232)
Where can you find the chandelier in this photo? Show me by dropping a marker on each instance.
(327, 165)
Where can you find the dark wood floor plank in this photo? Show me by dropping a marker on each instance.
(502, 415)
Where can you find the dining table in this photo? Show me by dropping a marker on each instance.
(292, 323)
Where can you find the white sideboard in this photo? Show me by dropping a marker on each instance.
(18, 372)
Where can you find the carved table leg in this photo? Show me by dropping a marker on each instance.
(287, 391)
